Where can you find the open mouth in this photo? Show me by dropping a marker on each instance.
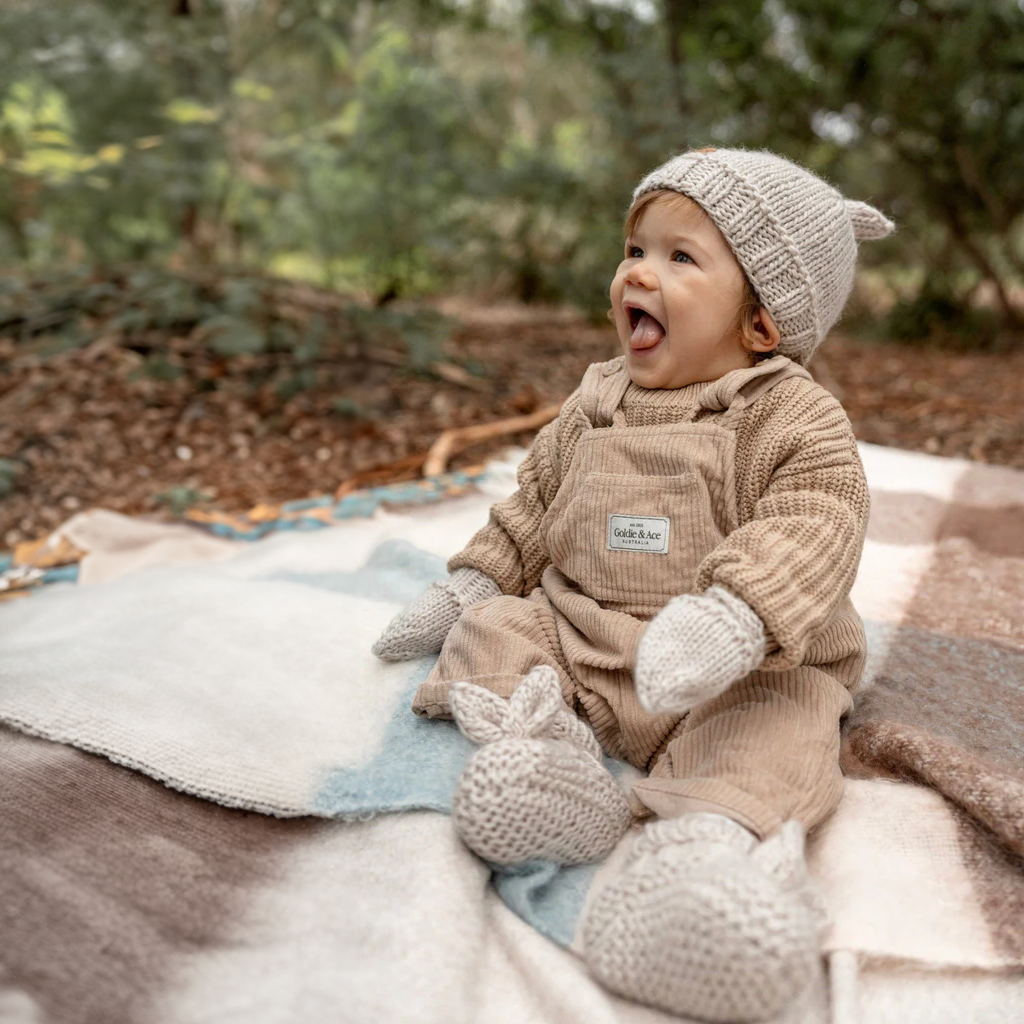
(647, 331)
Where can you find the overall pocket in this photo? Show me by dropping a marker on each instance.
(633, 540)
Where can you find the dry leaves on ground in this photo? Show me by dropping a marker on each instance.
(96, 426)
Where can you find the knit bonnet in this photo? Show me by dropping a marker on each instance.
(793, 234)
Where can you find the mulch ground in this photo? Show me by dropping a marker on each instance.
(87, 427)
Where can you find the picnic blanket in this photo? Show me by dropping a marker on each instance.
(247, 681)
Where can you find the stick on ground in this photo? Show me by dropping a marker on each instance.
(452, 440)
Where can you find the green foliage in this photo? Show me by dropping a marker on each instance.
(921, 106)
(422, 333)
(10, 470)
(350, 408)
(292, 383)
(235, 336)
(113, 80)
(938, 318)
(403, 149)
(160, 368)
(287, 332)
(179, 499)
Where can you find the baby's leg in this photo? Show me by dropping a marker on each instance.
(764, 752)
(537, 789)
(715, 916)
(494, 644)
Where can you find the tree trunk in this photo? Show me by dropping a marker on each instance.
(13, 224)
(675, 18)
(1011, 317)
(951, 215)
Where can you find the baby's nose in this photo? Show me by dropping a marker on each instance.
(641, 275)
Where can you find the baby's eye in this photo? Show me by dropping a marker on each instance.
(634, 252)
(681, 257)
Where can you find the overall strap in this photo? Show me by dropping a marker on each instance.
(738, 390)
(601, 393)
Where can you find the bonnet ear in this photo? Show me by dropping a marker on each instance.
(867, 222)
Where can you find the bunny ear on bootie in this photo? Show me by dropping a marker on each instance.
(868, 223)
(484, 717)
(481, 716)
(536, 701)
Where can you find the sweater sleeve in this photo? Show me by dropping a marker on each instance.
(509, 548)
(803, 501)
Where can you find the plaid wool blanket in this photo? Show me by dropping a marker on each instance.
(245, 685)
(942, 709)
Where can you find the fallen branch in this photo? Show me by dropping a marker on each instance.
(434, 461)
(460, 437)
(404, 469)
(456, 374)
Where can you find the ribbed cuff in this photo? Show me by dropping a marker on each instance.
(471, 586)
(745, 625)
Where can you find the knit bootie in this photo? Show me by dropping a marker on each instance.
(537, 789)
(706, 922)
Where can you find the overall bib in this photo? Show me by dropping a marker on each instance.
(637, 511)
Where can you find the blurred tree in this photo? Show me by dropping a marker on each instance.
(144, 93)
(378, 176)
(413, 146)
(918, 105)
(933, 92)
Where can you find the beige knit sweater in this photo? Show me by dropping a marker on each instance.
(802, 511)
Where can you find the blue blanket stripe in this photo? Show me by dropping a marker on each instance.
(419, 761)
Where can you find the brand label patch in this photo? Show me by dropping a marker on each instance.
(638, 533)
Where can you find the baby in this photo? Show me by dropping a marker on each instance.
(670, 585)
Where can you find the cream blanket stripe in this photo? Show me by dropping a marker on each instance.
(121, 898)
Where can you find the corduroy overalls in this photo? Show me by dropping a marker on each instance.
(637, 511)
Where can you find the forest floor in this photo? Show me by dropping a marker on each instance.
(95, 425)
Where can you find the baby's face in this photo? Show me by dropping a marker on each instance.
(676, 298)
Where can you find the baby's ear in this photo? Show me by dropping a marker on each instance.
(868, 223)
(766, 335)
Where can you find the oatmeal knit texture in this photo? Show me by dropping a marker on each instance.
(696, 647)
(794, 235)
(536, 790)
(801, 508)
(421, 628)
(704, 922)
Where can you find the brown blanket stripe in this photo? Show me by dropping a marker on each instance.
(947, 708)
(106, 875)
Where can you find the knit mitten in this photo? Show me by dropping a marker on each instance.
(706, 922)
(422, 627)
(536, 789)
(695, 648)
